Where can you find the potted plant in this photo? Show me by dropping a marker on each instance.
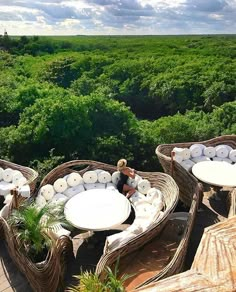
(30, 225)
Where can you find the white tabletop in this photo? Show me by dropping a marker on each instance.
(217, 173)
(97, 209)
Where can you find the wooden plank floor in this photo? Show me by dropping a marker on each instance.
(12, 280)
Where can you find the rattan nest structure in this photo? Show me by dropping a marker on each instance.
(179, 174)
(164, 182)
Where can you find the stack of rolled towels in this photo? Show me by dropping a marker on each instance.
(9, 180)
(187, 157)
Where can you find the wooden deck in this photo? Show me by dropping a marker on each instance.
(213, 211)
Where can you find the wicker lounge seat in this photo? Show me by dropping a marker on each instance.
(174, 169)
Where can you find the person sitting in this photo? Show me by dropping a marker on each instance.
(125, 173)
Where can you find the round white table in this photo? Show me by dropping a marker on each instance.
(97, 209)
(216, 173)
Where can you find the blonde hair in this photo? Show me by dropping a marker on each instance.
(121, 164)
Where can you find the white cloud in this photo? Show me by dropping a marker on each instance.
(27, 17)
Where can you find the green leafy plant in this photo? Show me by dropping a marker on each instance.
(89, 281)
(30, 224)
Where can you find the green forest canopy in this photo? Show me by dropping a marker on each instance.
(103, 98)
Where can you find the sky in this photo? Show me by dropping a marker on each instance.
(117, 17)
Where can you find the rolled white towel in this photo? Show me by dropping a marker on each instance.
(1, 173)
(7, 174)
(222, 151)
(143, 186)
(59, 198)
(115, 177)
(196, 150)
(74, 179)
(104, 177)
(133, 182)
(70, 192)
(40, 201)
(98, 170)
(60, 185)
(152, 194)
(187, 164)
(16, 176)
(22, 181)
(209, 151)
(232, 155)
(47, 192)
(5, 188)
(24, 191)
(90, 177)
(200, 158)
(182, 152)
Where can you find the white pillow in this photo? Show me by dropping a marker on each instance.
(90, 177)
(74, 179)
(104, 177)
(118, 239)
(47, 191)
(143, 186)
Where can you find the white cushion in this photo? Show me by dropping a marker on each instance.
(200, 159)
(90, 177)
(70, 192)
(60, 185)
(94, 186)
(24, 191)
(5, 188)
(111, 186)
(4, 211)
(40, 201)
(104, 177)
(74, 179)
(59, 198)
(133, 182)
(143, 186)
(47, 191)
(115, 177)
(153, 193)
(118, 239)
(187, 164)
(137, 197)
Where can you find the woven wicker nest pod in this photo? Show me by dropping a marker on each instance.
(181, 175)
